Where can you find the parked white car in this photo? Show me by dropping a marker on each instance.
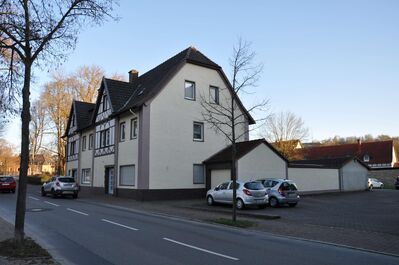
(375, 184)
(248, 193)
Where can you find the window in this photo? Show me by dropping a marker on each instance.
(223, 186)
(105, 103)
(91, 141)
(127, 175)
(86, 176)
(198, 131)
(133, 128)
(214, 94)
(84, 143)
(189, 90)
(72, 149)
(198, 174)
(122, 131)
(104, 138)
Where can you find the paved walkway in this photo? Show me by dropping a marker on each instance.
(365, 220)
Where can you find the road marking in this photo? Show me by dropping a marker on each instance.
(125, 226)
(33, 198)
(200, 249)
(75, 211)
(51, 203)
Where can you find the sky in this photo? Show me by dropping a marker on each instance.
(335, 63)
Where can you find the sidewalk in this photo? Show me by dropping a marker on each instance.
(266, 221)
(7, 232)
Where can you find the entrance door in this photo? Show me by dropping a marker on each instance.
(109, 180)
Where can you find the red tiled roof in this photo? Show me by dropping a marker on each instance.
(378, 152)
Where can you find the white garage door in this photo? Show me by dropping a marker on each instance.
(218, 176)
(315, 179)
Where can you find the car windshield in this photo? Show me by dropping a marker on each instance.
(66, 180)
(288, 186)
(6, 179)
(254, 185)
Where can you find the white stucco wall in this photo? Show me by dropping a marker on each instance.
(172, 149)
(354, 176)
(99, 169)
(218, 176)
(314, 179)
(128, 150)
(261, 162)
(71, 165)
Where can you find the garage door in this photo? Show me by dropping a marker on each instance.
(218, 176)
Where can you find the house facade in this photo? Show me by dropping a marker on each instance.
(147, 138)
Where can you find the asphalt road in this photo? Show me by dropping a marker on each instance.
(81, 233)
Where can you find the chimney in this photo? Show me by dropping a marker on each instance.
(359, 147)
(133, 75)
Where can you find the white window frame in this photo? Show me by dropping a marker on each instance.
(122, 131)
(85, 178)
(193, 87)
(84, 143)
(214, 95)
(202, 132)
(133, 128)
(194, 174)
(134, 176)
(91, 141)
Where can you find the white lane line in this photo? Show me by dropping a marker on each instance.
(33, 198)
(75, 211)
(200, 249)
(125, 226)
(51, 203)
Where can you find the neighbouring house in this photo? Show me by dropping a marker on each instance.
(329, 174)
(380, 154)
(146, 138)
(256, 159)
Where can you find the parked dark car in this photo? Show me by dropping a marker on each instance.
(7, 183)
(397, 183)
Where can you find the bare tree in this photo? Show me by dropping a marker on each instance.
(37, 127)
(284, 129)
(227, 115)
(40, 32)
(57, 99)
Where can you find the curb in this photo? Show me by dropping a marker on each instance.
(257, 216)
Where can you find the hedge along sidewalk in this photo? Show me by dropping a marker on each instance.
(32, 253)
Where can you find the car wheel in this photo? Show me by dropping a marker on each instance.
(382, 186)
(240, 204)
(371, 187)
(292, 204)
(75, 195)
(273, 202)
(43, 192)
(53, 193)
(209, 200)
(13, 191)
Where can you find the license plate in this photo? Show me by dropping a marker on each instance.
(6, 184)
(67, 192)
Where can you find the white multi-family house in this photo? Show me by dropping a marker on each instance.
(147, 138)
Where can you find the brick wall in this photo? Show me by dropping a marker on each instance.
(387, 176)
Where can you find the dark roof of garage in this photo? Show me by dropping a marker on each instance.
(333, 163)
(243, 148)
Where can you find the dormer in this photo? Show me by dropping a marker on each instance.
(104, 106)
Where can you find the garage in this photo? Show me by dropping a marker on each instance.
(256, 159)
(329, 175)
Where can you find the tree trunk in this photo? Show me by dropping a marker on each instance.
(24, 163)
(233, 160)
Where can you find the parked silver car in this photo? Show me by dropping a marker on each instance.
(248, 193)
(281, 191)
(374, 184)
(60, 185)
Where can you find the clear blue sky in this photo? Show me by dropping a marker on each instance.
(334, 63)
